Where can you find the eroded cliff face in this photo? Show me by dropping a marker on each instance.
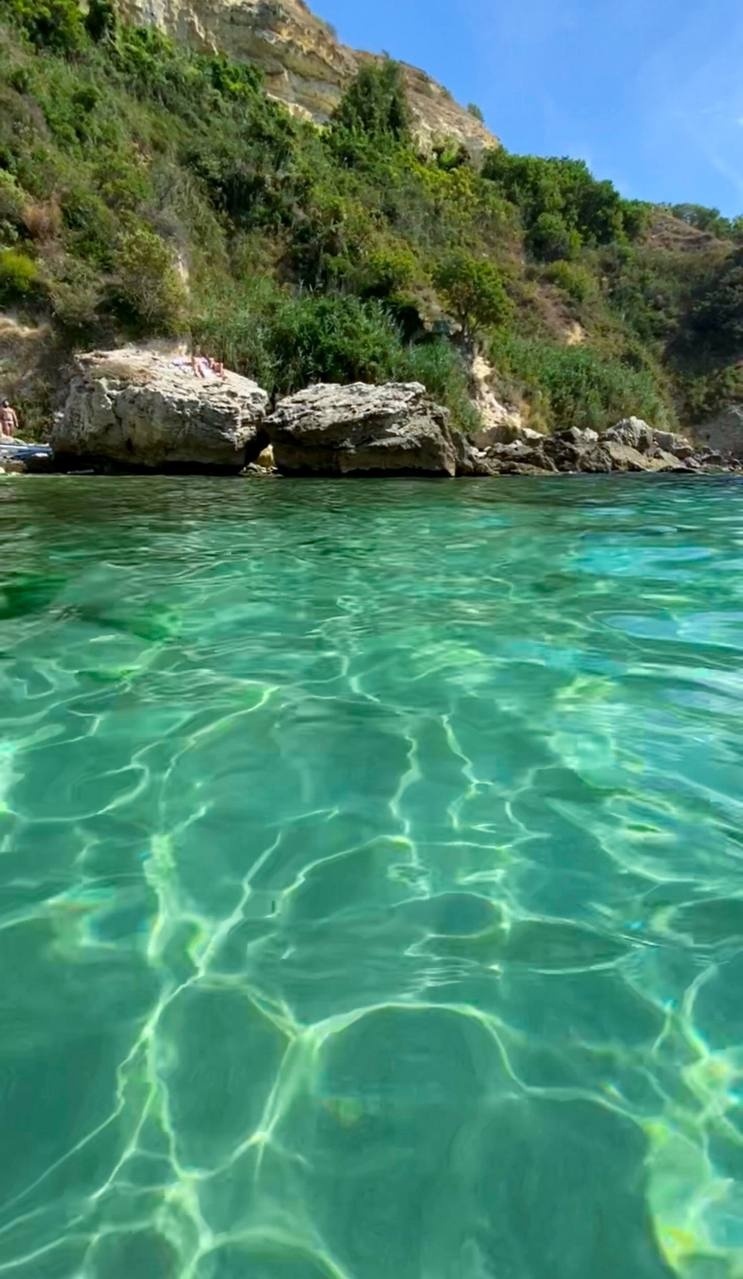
(304, 64)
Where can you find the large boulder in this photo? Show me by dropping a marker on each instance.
(360, 429)
(143, 409)
(632, 432)
(670, 442)
(626, 457)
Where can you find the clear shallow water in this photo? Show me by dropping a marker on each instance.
(371, 879)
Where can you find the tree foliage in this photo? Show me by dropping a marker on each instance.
(592, 210)
(474, 291)
(710, 220)
(50, 24)
(717, 315)
(375, 105)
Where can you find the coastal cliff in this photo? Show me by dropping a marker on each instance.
(155, 189)
(304, 64)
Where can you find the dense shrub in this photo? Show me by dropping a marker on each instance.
(12, 204)
(717, 315)
(474, 291)
(550, 238)
(574, 386)
(20, 278)
(146, 292)
(50, 24)
(594, 210)
(573, 278)
(389, 271)
(375, 105)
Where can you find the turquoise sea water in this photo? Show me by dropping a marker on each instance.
(371, 879)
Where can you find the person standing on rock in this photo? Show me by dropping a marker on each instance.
(8, 419)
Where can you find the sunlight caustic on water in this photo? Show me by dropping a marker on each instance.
(370, 861)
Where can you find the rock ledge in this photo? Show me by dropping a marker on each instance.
(145, 410)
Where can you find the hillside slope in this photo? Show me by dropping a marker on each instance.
(151, 190)
(303, 63)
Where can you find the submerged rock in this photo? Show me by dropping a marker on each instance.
(145, 410)
(362, 429)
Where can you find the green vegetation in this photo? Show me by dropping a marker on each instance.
(19, 276)
(576, 386)
(709, 220)
(149, 191)
(473, 291)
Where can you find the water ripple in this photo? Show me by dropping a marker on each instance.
(371, 865)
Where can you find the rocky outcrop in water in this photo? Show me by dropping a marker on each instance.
(630, 446)
(141, 409)
(362, 429)
(304, 64)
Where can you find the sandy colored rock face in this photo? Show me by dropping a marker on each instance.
(362, 429)
(305, 66)
(143, 409)
(723, 432)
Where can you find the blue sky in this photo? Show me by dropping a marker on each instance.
(649, 92)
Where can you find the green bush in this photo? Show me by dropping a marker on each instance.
(474, 291)
(334, 339)
(20, 278)
(573, 278)
(442, 371)
(717, 314)
(75, 296)
(146, 292)
(50, 24)
(550, 238)
(374, 106)
(12, 203)
(389, 271)
(564, 188)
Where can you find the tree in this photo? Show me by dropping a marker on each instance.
(474, 291)
(375, 104)
(551, 239)
(717, 316)
(49, 24)
(476, 111)
(564, 187)
(146, 292)
(100, 20)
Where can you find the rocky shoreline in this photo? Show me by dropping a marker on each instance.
(141, 411)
